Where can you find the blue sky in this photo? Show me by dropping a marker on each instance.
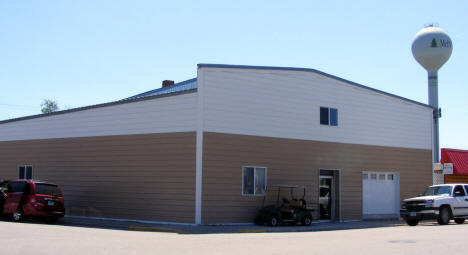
(87, 52)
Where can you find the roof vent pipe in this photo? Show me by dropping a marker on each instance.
(166, 83)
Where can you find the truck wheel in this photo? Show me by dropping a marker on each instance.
(272, 220)
(459, 220)
(444, 216)
(18, 215)
(307, 220)
(412, 222)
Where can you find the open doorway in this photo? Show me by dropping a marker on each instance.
(329, 195)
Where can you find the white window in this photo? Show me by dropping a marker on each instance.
(328, 116)
(254, 180)
(25, 172)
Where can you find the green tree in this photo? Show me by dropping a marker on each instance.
(48, 106)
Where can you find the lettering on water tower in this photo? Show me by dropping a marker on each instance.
(438, 43)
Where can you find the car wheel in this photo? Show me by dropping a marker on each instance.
(18, 215)
(444, 216)
(412, 222)
(307, 220)
(51, 220)
(273, 220)
(459, 220)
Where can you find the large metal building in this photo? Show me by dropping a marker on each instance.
(205, 150)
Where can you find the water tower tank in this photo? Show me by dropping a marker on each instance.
(432, 47)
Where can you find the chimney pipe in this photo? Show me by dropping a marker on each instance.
(166, 83)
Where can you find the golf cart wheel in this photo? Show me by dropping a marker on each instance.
(412, 222)
(272, 220)
(459, 220)
(6, 217)
(307, 220)
(18, 215)
(444, 216)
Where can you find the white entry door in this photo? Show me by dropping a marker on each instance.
(380, 195)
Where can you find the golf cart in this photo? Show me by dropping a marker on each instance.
(289, 210)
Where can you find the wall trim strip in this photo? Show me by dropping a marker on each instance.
(199, 151)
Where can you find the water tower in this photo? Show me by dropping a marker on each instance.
(432, 47)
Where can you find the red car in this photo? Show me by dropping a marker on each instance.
(32, 198)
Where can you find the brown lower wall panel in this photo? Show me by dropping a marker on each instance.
(298, 162)
(146, 177)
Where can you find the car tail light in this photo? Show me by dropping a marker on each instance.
(33, 199)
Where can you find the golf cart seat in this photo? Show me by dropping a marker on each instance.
(295, 203)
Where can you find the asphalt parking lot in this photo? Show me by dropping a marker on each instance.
(37, 238)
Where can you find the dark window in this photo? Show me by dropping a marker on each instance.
(47, 189)
(326, 172)
(25, 172)
(28, 172)
(324, 116)
(248, 180)
(254, 180)
(459, 189)
(328, 116)
(22, 172)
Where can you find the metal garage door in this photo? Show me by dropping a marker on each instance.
(380, 195)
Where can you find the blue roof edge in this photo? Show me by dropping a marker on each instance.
(161, 89)
(299, 69)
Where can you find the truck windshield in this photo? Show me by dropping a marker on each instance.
(438, 191)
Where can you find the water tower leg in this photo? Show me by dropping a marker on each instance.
(434, 102)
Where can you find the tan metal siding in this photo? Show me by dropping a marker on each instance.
(146, 177)
(298, 162)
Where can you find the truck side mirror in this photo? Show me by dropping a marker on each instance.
(458, 193)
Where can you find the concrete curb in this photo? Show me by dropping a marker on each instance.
(251, 231)
(154, 229)
(224, 229)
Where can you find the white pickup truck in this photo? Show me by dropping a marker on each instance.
(442, 202)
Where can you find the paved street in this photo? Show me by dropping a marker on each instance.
(428, 238)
